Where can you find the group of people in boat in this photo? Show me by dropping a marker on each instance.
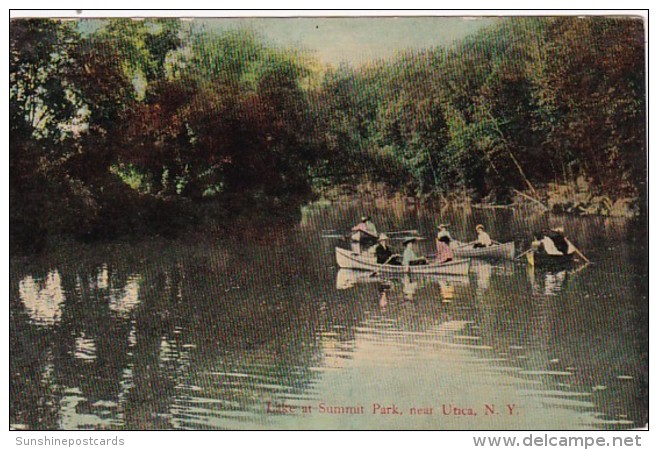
(547, 241)
(385, 255)
(444, 252)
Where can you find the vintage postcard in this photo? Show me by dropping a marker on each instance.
(328, 223)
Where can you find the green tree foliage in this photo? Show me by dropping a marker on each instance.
(135, 119)
(44, 116)
(230, 118)
(129, 124)
(530, 100)
(596, 70)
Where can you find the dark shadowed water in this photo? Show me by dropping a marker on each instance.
(222, 332)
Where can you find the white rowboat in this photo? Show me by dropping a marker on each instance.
(497, 251)
(347, 259)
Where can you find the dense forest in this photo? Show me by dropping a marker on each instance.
(153, 126)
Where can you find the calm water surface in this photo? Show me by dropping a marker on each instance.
(230, 333)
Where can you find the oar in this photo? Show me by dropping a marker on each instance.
(523, 254)
(402, 232)
(331, 232)
(580, 268)
(376, 272)
(336, 234)
(578, 251)
(341, 236)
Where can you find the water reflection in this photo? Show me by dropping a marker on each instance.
(203, 337)
(42, 298)
(347, 278)
(483, 272)
(409, 287)
(406, 285)
(547, 282)
(124, 300)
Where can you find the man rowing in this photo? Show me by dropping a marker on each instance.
(384, 253)
(553, 242)
(365, 232)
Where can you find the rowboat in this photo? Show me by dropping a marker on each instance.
(495, 251)
(347, 259)
(536, 259)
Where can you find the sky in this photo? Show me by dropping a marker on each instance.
(351, 40)
(356, 40)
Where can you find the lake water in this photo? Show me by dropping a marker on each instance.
(244, 332)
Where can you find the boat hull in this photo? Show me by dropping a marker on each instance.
(347, 259)
(549, 261)
(496, 251)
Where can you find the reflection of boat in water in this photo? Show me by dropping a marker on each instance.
(554, 282)
(347, 278)
(347, 259)
(495, 251)
(409, 287)
(483, 273)
(548, 282)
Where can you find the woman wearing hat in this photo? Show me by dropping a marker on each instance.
(444, 233)
(443, 251)
(384, 253)
(483, 240)
(409, 257)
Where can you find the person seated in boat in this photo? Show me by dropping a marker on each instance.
(443, 232)
(443, 251)
(366, 226)
(537, 244)
(561, 243)
(544, 245)
(552, 242)
(483, 240)
(409, 257)
(384, 253)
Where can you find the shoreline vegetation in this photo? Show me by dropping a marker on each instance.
(572, 199)
(154, 127)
